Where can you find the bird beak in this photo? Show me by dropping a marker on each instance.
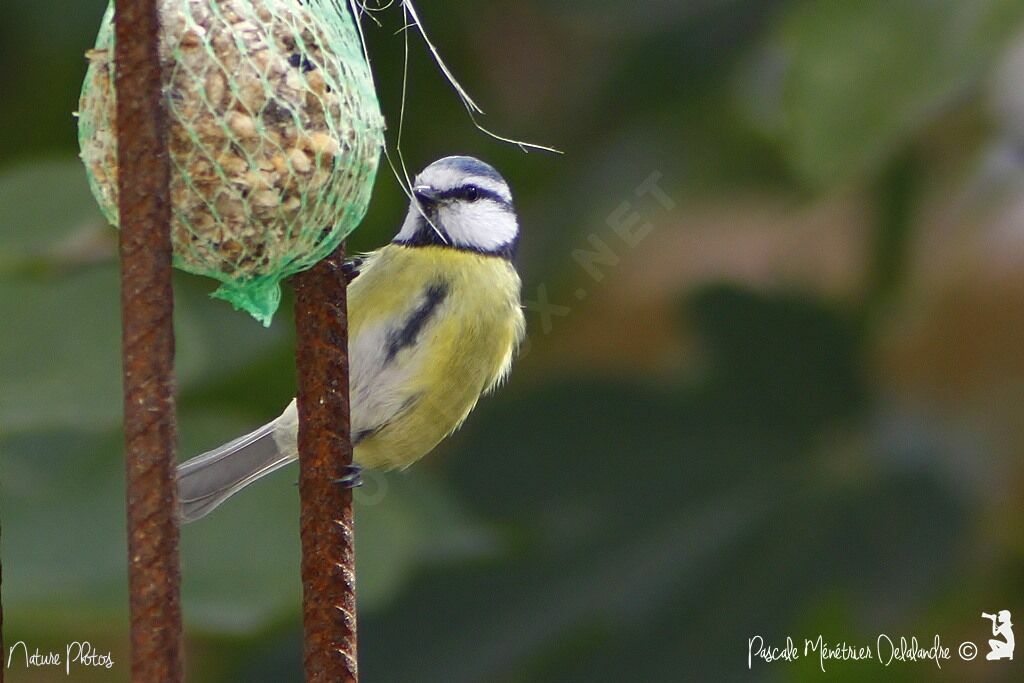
(425, 195)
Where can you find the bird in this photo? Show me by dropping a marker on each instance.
(435, 320)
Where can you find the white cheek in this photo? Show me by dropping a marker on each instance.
(482, 225)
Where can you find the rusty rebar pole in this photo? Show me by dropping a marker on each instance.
(325, 450)
(147, 345)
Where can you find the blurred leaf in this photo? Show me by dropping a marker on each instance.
(42, 203)
(61, 363)
(63, 495)
(64, 545)
(42, 65)
(654, 584)
(787, 356)
(860, 77)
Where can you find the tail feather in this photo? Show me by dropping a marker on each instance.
(207, 480)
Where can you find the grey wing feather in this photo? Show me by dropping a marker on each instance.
(207, 480)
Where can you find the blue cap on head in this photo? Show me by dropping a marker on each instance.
(469, 166)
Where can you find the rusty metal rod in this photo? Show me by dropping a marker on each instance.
(325, 450)
(148, 346)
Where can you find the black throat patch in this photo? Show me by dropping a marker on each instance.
(426, 236)
(405, 335)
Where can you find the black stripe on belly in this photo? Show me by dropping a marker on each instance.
(405, 335)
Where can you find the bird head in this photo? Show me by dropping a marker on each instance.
(462, 203)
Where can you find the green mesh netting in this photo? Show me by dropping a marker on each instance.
(274, 137)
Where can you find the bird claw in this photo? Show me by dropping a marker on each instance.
(352, 477)
(350, 269)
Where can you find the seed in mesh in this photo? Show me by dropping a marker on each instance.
(262, 132)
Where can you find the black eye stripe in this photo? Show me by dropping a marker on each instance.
(481, 193)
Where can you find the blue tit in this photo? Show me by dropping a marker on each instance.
(434, 322)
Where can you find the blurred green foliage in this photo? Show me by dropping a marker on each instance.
(719, 438)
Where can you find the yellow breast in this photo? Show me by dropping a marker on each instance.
(431, 329)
